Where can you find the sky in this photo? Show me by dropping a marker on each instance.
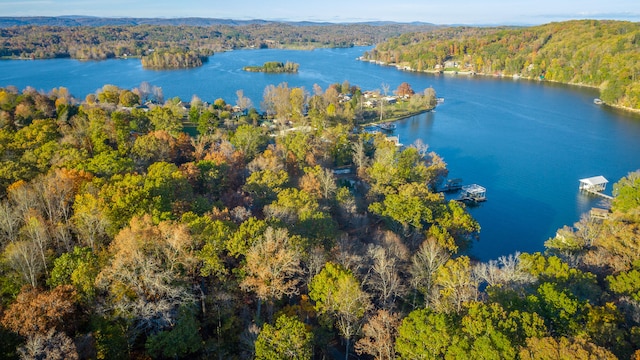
(471, 12)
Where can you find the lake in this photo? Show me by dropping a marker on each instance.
(527, 142)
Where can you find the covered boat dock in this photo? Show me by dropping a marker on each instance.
(595, 185)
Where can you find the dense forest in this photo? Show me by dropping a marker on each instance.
(602, 54)
(277, 236)
(108, 41)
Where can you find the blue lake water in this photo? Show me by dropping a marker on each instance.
(527, 142)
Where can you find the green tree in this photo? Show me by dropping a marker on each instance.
(288, 339)
(302, 212)
(265, 185)
(560, 309)
(250, 140)
(167, 119)
(109, 94)
(180, 340)
(78, 268)
(627, 196)
(107, 163)
(409, 210)
(424, 334)
(214, 235)
(128, 98)
(626, 283)
(246, 236)
(339, 297)
(169, 191)
(563, 349)
(153, 147)
(208, 122)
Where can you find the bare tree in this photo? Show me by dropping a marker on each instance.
(272, 267)
(456, 284)
(35, 232)
(383, 99)
(507, 271)
(314, 262)
(327, 182)
(424, 265)
(243, 102)
(144, 263)
(379, 335)
(23, 257)
(51, 346)
(144, 91)
(9, 222)
(158, 95)
(423, 149)
(383, 277)
(359, 154)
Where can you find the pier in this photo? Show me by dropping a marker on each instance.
(595, 185)
(452, 185)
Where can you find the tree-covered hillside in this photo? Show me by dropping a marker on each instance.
(108, 41)
(602, 54)
(283, 236)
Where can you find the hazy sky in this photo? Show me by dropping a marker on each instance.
(438, 12)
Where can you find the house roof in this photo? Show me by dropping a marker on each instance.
(595, 180)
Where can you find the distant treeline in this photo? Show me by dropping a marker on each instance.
(603, 54)
(274, 67)
(102, 42)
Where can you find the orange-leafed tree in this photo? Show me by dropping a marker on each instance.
(36, 312)
(405, 90)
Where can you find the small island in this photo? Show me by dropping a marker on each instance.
(173, 59)
(274, 67)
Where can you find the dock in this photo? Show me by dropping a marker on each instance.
(473, 193)
(452, 185)
(595, 186)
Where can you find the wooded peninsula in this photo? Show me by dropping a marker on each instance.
(134, 227)
(600, 54)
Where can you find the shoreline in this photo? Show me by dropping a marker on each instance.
(513, 76)
(397, 118)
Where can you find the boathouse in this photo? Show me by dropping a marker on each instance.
(473, 192)
(594, 184)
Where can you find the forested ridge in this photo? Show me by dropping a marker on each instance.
(108, 41)
(277, 236)
(602, 54)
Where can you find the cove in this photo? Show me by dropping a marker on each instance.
(527, 142)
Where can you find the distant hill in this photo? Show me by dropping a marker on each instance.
(100, 21)
(190, 21)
